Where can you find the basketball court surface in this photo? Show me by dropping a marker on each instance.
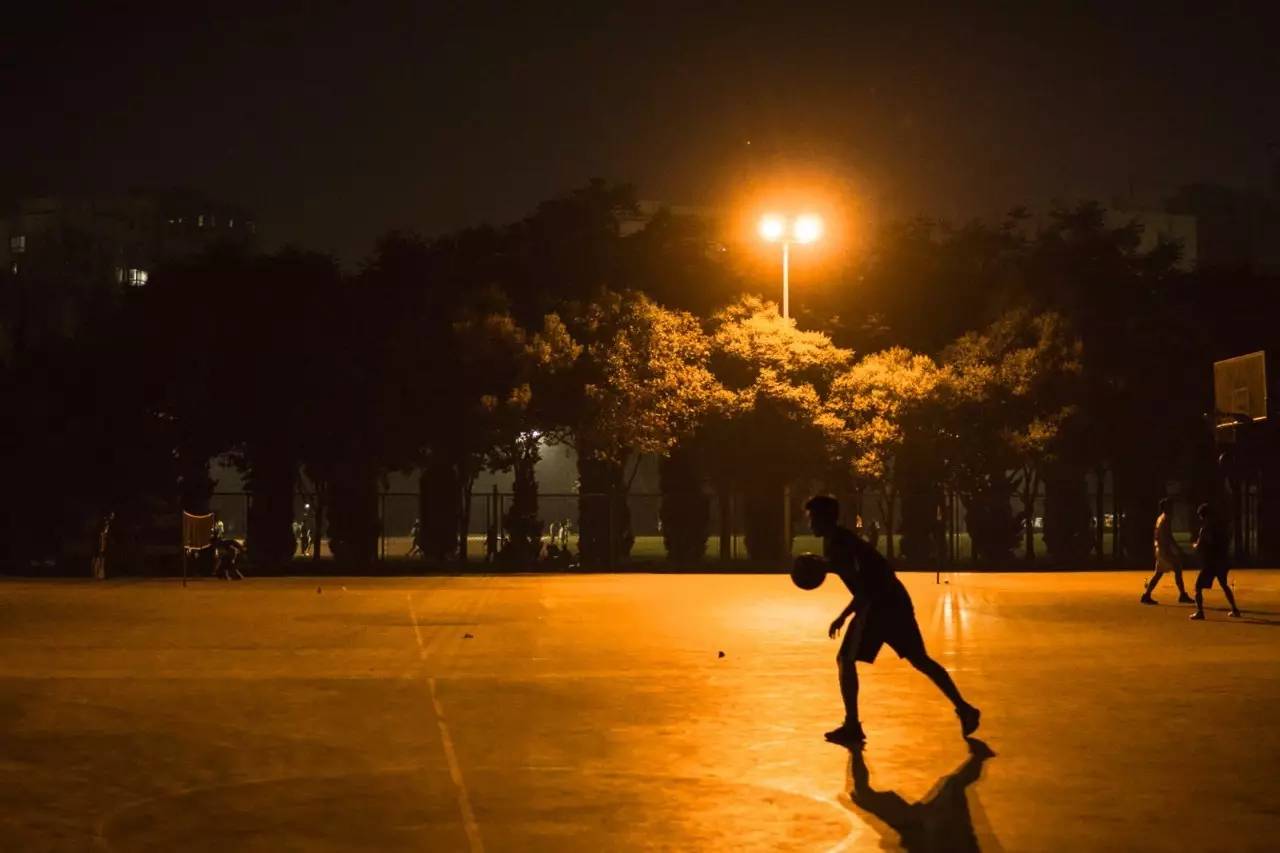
(596, 712)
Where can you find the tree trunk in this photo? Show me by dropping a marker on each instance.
(762, 502)
(1068, 536)
(604, 525)
(685, 513)
(524, 528)
(354, 523)
(439, 506)
(270, 522)
(725, 497)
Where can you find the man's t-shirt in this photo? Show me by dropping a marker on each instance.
(1213, 545)
(864, 571)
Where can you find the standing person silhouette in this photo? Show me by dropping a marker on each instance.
(882, 613)
(1211, 545)
(1168, 558)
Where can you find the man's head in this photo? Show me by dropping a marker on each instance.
(824, 511)
(1163, 505)
(1204, 511)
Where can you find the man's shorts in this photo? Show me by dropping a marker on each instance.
(874, 627)
(1205, 579)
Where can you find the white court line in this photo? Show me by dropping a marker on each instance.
(455, 771)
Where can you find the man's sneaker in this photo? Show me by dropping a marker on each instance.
(1183, 598)
(850, 734)
(1147, 599)
(1236, 614)
(1196, 617)
(969, 717)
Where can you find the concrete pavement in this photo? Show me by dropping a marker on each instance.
(594, 712)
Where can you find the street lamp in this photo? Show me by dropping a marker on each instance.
(775, 228)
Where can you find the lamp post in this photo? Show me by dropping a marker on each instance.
(775, 228)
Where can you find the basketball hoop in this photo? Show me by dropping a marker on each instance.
(1239, 395)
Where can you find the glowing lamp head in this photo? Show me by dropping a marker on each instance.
(807, 228)
(772, 227)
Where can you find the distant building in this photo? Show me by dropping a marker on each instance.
(131, 233)
(62, 253)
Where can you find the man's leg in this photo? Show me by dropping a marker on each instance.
(849, 689)
(1151, 585)
(968, 714)
(1231, 597)
(1199, 614)
(939, 676)
(850, 731)
(1183, 598)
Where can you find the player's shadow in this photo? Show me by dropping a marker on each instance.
(941, 821)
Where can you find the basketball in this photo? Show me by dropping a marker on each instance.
(809, 571)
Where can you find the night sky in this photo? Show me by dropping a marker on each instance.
(335, 124)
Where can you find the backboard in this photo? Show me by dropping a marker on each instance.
(1239, 392)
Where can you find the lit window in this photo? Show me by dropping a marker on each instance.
(18, 244)
(137, 277)
(200, 221)
(231, 223)
(119, 275)
(13, 267)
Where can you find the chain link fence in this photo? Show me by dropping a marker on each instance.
(638, 519)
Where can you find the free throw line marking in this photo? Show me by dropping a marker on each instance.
(451, 756)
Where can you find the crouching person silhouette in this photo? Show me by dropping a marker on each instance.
(882, 614)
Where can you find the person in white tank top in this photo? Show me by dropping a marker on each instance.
(1168, 558)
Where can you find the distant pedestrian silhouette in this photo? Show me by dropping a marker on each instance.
(882, 613)
(1211, 545)
(99, 562)
(415, 539)
(1168, 557)
(941, 821)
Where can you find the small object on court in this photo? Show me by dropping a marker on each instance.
(468, 636)
(317, 590)
(809, 571)
(720, 655)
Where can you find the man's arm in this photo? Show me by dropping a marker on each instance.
(836, 625)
